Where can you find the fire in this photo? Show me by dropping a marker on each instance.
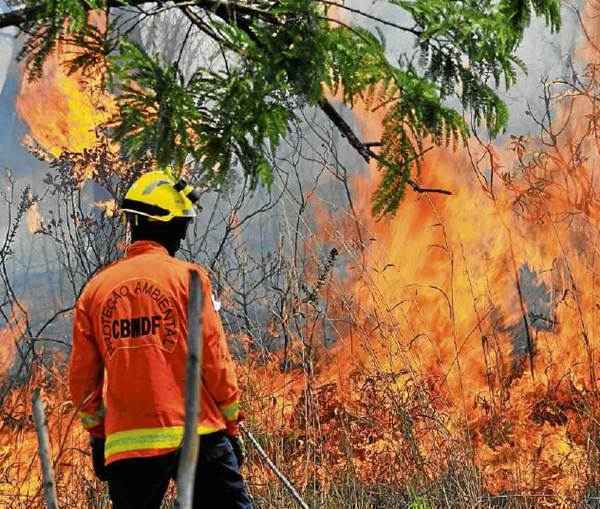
(33, 218)
(468, 333)
(108, 207)
(21, 480)
(466, 307)
(64, 110)
(466, 325)
(478, 312)
(10, 335)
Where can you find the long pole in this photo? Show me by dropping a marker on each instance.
(284, 480)
(39, 419)
(189, 451)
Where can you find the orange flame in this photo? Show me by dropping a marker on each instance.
(484, 305)
(477, 313)
(108, 207)
(33, 218)
(63, 110)
(10, 334)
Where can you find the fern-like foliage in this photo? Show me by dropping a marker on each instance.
(285, 53)
(50, 21)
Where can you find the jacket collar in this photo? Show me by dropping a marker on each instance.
(144, 247)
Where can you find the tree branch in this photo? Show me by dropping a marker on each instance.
(188, 457)
(17, 17)
(39, 418)
(347, 132)
(370, 16)
(228, 11)
(364, 149)
(232, 12)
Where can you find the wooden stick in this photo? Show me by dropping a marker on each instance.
(189, 452)
(284, 480)
(39, 420)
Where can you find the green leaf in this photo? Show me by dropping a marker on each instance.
(284, 54)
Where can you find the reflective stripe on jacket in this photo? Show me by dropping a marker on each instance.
(128, 361)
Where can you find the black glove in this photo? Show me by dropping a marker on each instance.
(239, 448)
(97, 445)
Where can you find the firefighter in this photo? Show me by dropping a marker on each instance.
(128, 362)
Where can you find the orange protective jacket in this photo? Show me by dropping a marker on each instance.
(128, 362)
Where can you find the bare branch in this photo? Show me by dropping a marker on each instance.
(226, 10)
(370, 16)
(284, 480)
(364, 149)
(39, 418)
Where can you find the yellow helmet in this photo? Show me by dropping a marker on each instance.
(158, 196)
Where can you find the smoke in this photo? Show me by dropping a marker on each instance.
(7, 45)
(309, 161)
(548, 56)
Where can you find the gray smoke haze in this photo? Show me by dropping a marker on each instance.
(547, 56)
(311, 146)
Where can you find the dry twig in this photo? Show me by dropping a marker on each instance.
(284, 480)
(39, 419)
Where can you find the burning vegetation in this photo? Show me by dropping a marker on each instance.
(447, 356)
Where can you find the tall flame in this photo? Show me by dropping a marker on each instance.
(483, 305)
(469, 330)
(63, 109)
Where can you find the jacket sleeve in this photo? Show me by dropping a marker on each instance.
(218, 369)
(86, 374)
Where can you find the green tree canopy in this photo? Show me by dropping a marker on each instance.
(283, 53)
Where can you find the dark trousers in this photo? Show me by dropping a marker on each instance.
(141, 483)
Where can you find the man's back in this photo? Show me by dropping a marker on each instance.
(127, 372)
(131, 321)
